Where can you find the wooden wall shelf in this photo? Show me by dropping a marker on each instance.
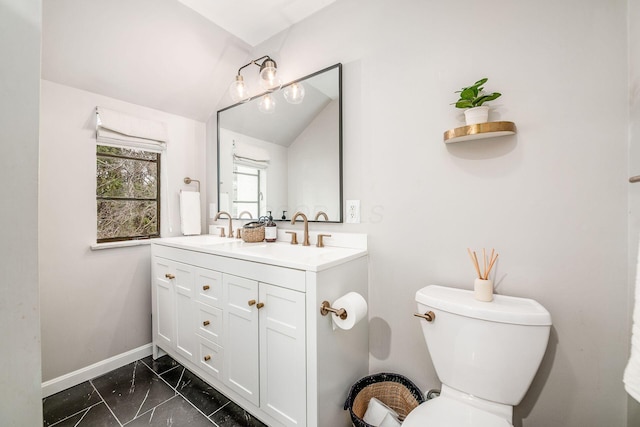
(479, 131)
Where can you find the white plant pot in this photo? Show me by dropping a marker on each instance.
(476, 115)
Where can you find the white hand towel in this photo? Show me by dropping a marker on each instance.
(631, 376)
(190, 212)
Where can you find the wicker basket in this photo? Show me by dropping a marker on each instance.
(253, 232)
(395, 391)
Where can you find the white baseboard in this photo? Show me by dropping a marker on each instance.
(81, 375)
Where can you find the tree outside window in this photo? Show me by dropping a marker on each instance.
(127, 193)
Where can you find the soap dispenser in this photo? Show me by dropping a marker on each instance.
(270, 229)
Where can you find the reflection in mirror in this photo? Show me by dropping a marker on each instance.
(286, 159)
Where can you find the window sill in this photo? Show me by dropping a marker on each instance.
(123, 244)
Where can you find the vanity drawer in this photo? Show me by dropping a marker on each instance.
(209, 287)
(210, 357)
(209, 322)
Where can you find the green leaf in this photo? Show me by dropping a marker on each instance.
(464, 104)
(481, 82)
(469, 93)
(485, 98)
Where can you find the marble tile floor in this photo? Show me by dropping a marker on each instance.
(146, 392)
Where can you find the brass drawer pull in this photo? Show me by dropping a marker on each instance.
(259, 305)
(205, 288)
(205, 323)
(207, 358)
(429, 316)
(169, 276)
(251, 302)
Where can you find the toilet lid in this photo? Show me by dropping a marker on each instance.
(447, 412)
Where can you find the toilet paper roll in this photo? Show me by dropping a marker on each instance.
(356, 308)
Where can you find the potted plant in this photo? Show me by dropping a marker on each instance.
(472, 98)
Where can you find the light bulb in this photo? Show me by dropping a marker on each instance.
(267, 104)
(268, 75)
(294, 93)
(238, 90)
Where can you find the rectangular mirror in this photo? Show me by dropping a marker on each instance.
(287, 160)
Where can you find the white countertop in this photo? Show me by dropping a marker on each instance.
(309, 258)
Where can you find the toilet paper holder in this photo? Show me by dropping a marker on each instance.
(326, 308)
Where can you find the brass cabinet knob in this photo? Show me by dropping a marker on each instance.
(207, 358)
(205, 288)
(251, 302)
(169, 276)
(206, 323)
(429, 316)
(260, 305)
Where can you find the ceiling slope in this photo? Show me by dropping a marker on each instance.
(156, 53)
(254, 21)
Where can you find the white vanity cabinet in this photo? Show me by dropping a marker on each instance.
(256, 333)
(266, 366)
(172, 297)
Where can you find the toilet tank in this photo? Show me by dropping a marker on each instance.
(491, 350)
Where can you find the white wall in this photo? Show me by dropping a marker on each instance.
(314, 174)
(96, 304)
(552, 200)
(20, 392)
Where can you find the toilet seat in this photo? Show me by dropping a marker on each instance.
(444, 411)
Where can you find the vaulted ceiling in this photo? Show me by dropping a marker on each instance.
(162, 54)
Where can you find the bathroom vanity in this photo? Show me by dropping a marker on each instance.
(245, 317)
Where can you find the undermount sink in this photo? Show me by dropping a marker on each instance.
(201, 240)
(282, 250)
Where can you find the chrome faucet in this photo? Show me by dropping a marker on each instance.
(319, 214)
(230, 222)
(306, 226)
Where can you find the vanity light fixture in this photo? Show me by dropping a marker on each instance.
(267, 104)
(269, 80)
(294, 93)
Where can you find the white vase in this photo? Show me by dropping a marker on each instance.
(476, 115)
(483, 290)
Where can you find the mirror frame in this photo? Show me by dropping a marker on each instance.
(340, 137)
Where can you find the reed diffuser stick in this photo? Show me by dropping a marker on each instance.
(484, 260)
(474, 261)
(487, 263)
(493, 261)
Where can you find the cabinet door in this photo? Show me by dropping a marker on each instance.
(210, 358)
(185, 316)
(209, 287)
(240, 320)
(209, 322)
(283, 355)
(163, 303)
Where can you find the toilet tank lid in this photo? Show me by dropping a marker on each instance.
(503, 309)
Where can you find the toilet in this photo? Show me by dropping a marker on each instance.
(485, 353)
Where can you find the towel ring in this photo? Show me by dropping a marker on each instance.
(188, 180)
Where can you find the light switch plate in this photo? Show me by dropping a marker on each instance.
(353, 211)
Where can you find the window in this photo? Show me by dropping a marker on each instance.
(127, 193)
